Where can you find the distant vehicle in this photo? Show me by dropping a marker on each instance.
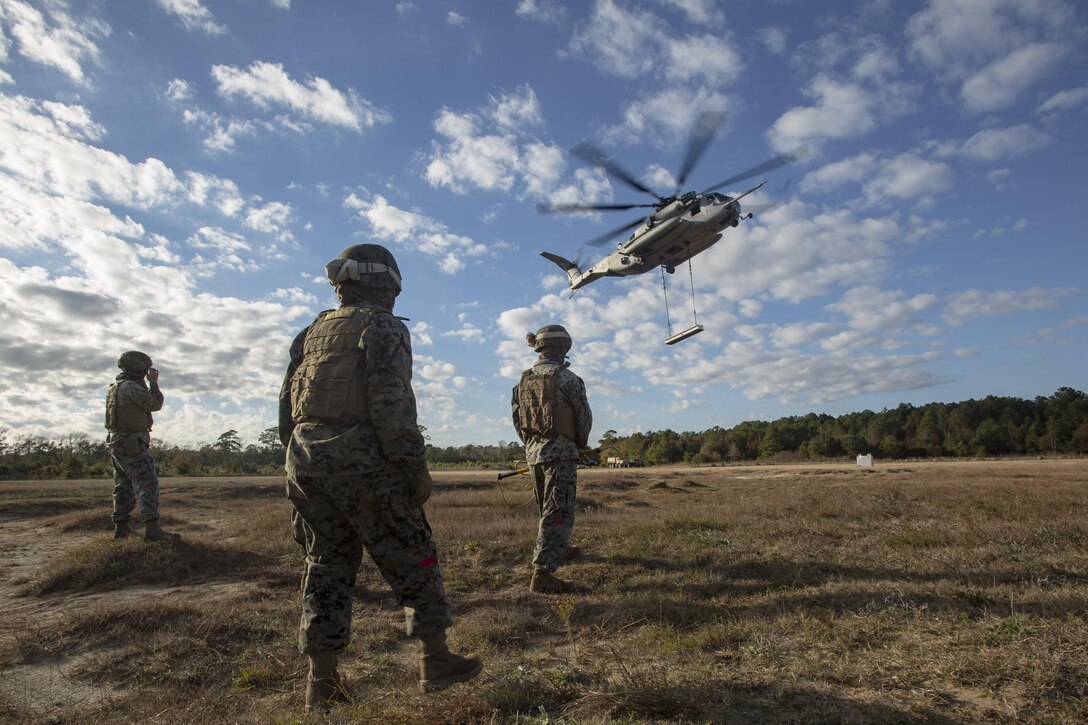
(616, 462)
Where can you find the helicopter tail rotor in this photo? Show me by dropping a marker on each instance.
(566, 265)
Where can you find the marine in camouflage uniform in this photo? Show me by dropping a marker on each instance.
(552, 417)
(130, 402)
(357, 477)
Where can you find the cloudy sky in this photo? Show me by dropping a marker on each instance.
(174, 174)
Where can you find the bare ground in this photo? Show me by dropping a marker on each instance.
(912, 592)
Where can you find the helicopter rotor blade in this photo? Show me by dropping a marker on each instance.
(599, 240)
(545, 208)
(706, 128)
(772, 163)
(589, 153)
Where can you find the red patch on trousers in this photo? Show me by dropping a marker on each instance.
(558, 522)
(429, 561)
(148, 486)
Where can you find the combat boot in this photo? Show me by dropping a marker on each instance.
(439, 668)
(122, 529)
(544, 582)
(153, 532)
(323, 686)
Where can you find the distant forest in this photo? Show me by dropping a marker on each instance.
(1056, 425)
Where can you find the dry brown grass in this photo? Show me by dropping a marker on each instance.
(912, 593)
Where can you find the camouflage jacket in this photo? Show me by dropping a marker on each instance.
(571, 390)
(138, 394)
(390, 435)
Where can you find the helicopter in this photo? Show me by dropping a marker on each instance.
(680, 227)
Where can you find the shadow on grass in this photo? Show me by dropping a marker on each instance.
(230, 490)
(815, 586)
(564, 694)
(106, 564)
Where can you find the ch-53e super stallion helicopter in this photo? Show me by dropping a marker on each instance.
(681, 225)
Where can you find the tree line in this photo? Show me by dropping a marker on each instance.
(77, 455)
(993, 426)
(1055, 425)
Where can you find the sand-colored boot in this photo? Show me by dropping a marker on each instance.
(153, 532)
(122, 529)
(323, 685)
(439, 668)
(544, 582)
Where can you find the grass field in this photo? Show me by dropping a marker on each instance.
(911, 592)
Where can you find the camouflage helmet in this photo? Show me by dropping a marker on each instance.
(134, 360)
(372, 265)
(549, 336)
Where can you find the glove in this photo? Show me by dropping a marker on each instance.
(417, 481)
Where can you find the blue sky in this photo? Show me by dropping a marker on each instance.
(174, 174)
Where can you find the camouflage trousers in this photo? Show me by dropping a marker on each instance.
(135, 481)
(556, 486)
(334, 520)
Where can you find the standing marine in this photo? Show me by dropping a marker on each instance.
(129, 404)
(552, 418)
(356, 475)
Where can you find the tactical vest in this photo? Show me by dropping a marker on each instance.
(328, 386)
(540, 412)
(125, 418)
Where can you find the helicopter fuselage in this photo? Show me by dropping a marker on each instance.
(669, 237)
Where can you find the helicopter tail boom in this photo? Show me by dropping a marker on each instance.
(566, 265)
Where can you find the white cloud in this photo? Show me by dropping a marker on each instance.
(414, 229)
(994, 49)
(295, 294)
(542, 11)
(267, 85)
(773, 38)
(906, 176)
(1000, 83)
(455, 19)
(873, 310)
(420, 336)
(102, 284)
(1064, 100)
(994, 144)
(273, 218)
(467, 332)
(975, 303)
(629, 43)
(221, 133)
(668, 114)
(53, 37)
(493, 148)
(282, 4)
(701, 58)
(842, 110)
(700, 12)
(193, 15)
(803, 333)
(832, 176)
(179, 91)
